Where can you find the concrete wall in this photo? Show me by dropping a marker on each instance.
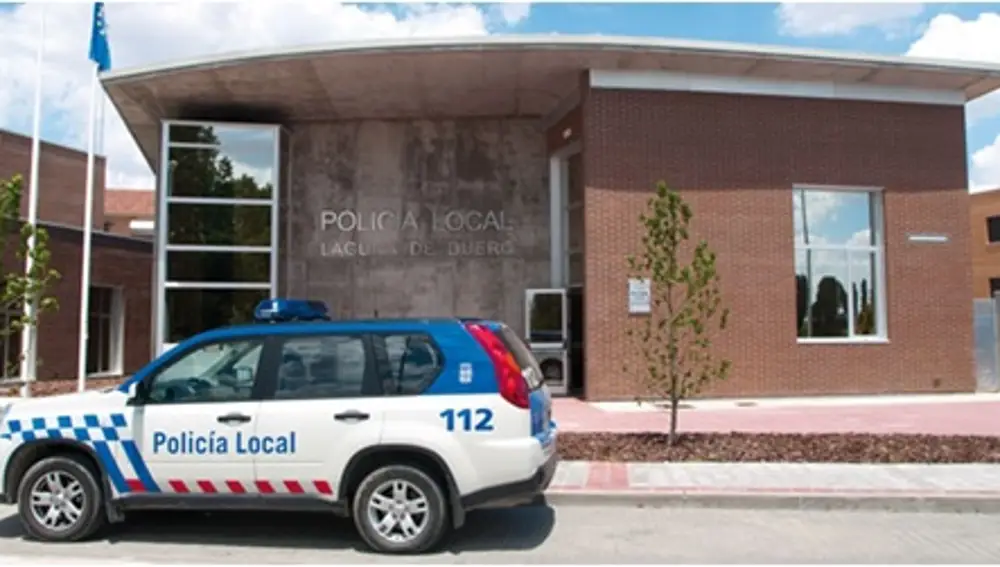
(410, 218)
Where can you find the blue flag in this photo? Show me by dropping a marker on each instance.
(100, 51)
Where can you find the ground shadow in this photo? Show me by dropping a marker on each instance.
(514, 529)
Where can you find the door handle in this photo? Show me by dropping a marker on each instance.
(233, 418)
(351, 415)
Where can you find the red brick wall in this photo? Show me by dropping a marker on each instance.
(62, 179)
(735, 159)
(118, 262)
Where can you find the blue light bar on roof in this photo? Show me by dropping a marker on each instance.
(284, 310)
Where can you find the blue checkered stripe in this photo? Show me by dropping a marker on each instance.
(87, 428)
(97, 431)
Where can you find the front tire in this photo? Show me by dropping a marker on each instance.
(400, 509)
(59, 499)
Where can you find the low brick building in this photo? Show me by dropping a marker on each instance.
(129, 212)
(120, 299)
(479, 177)
(984, 214)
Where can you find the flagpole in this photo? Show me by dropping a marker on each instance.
(29, 334)
(88, 221)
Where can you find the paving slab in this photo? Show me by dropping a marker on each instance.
(938, 416)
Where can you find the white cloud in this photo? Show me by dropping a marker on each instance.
(514, 12)
(815, 20)
(949, 37)
(144, 33)
(985, 172)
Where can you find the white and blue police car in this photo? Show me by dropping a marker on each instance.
(403, 425)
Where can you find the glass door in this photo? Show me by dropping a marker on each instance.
(546, 330)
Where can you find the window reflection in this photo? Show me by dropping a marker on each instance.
(546, 318)
(863, 292)
(833, 217)
(191, 311)
(322, 367)
(231, 162)
(218, 266)
(828, 311)
(223, 225)
(836, 261)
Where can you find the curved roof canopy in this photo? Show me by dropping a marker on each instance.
(466, 77)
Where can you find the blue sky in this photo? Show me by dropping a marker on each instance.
(144, 33)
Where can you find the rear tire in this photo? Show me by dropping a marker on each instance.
(59, 499)
(400, 509)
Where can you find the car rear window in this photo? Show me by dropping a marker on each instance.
(523, 356)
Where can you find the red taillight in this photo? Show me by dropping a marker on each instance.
(511, 383)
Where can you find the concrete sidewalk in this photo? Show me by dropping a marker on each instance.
(909, 487)
(934, 415)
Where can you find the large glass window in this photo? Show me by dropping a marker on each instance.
(838, 263)
(217, 230)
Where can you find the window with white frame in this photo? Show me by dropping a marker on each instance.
(839, 270)
(105, 333)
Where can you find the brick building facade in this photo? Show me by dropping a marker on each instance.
(832, 188)
(119, 333)
(737, 171)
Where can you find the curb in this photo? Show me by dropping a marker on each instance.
(936, 502)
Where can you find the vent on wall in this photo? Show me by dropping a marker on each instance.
(930, 238)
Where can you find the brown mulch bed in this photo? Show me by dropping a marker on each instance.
(43, 388)
(789, 448)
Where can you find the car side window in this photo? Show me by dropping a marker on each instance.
(323, 366)
(217, 372)
(411, 363)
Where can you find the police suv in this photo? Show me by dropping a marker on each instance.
(403, 425)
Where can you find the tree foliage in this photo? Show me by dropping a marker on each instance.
(675, 339)
(19, 287)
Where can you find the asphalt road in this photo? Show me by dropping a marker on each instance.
(565, 534)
